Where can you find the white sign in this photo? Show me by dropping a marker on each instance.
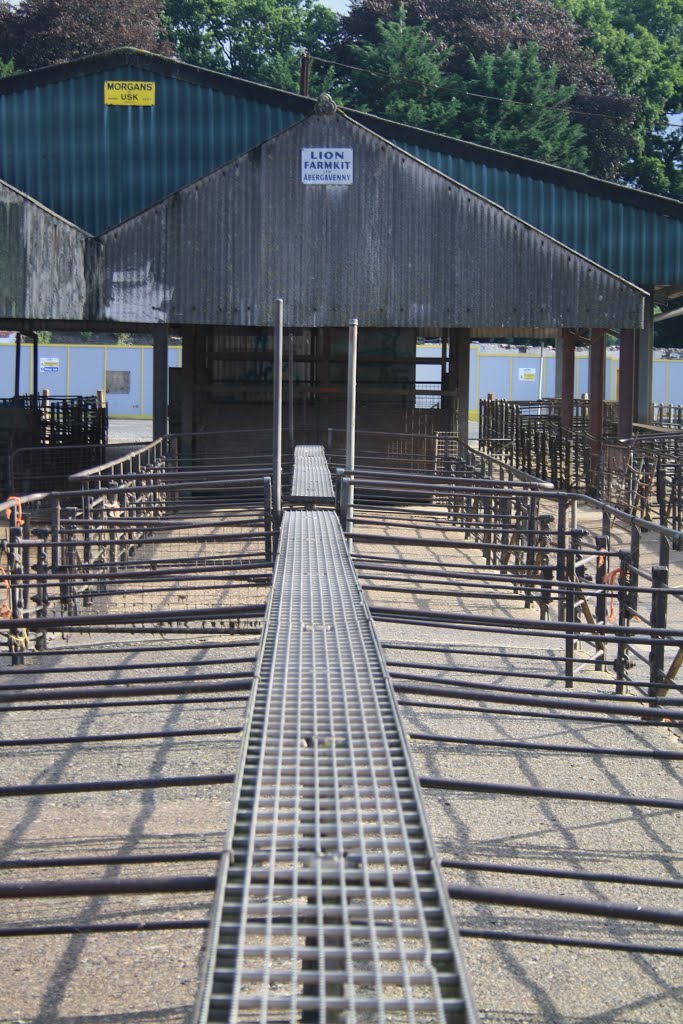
(327, 166)
(49, 364)
(527, 373)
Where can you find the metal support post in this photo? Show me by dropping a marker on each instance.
(34, 339)
(627, 357)
(461, 354)
(597, 406)
(187, 403)
(160, 380)
(290, 389)
(351, 424)
(564, 378)
(17, 367)
(277, 411)
(643, 364)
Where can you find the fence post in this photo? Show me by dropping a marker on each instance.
(658, 611)
(570, 616)
(635, 561)
(41, 599)
(15, 567)
(531, 533)
(70, 560)
(569, 608)
(621, 664)
(55, 527)
(87, 540)
(602, 544)
(546, 588)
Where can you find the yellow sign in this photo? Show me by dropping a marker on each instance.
(130, 94)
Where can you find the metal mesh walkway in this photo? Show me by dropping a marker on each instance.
(311, 481)
(329, 907)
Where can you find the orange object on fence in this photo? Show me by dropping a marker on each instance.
(8, 511)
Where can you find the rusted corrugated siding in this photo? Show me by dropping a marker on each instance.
(402, 245)
(46, 264)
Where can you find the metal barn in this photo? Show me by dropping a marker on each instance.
(433, 236)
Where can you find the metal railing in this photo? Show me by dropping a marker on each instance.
(642, 476)
(590, 584)
(518, 620)
(63, 551)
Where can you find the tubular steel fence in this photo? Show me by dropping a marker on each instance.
(485, 650)
(590, 584)
(642, 476)
(63, 550)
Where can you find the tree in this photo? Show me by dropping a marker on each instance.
(403, 77)
(255, 39)
(41, 32)
(6, 68)
(534, 116)
(474, 28)
(639, 42)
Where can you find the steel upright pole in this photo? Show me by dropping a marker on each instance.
(351, 421)
(34, 339)
(17, 367)
(290, 390)
(277, 410)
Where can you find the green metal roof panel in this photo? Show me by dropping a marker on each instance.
(95, 165)
(641, 245)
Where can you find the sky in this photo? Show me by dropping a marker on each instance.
(340, 6)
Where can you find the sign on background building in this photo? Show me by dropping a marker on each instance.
(326, 166)
(130, 94)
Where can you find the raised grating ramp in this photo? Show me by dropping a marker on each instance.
(311, 480)
(329, 907)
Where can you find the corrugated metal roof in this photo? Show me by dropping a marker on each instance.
(402, 245)
(97, 165)
(642, 245)
(45, 264)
